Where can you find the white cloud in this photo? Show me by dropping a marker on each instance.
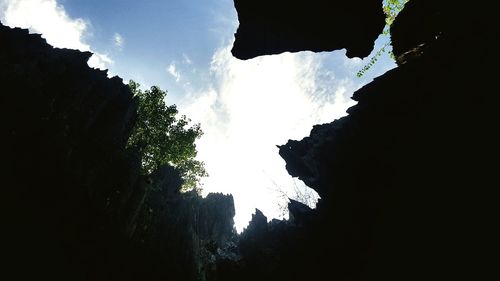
(50, 19)
(186, 59)
(100, 61)
(118, 40)
(253, 106)
(172, 70)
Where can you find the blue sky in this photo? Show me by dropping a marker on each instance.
(156, 35)
(245, 108)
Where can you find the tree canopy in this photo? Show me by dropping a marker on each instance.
(162, 137)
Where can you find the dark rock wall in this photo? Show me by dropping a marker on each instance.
(182, 231)
(406, 178)
(64, 128)
(269, 27)
(75, 204)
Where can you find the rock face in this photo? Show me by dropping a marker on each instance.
(275, 26)
(179, 234)
(76, 205)
(405, 178)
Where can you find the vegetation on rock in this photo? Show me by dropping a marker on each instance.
(391, 10)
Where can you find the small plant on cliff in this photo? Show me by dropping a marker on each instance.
(300, 193)
(391, 10)
(162, 137)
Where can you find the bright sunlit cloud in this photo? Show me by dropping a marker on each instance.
(118, 40)
(50, 19)
(251, 107)
(172, 70)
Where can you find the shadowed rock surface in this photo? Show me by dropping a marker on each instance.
(270, 27)
(405, 179)
(76, 206)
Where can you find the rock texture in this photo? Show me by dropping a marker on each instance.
(275, 26)
(179, 235)
(76, 206)
(405, 178)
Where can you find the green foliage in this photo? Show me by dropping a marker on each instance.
(161, 137)
(373, 60)
(391, 10)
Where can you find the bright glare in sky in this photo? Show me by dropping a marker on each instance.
(245, 108)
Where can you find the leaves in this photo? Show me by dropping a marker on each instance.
(391, 10)
(163, 138)
(373, 60)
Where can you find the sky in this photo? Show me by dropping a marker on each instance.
(245, 108)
